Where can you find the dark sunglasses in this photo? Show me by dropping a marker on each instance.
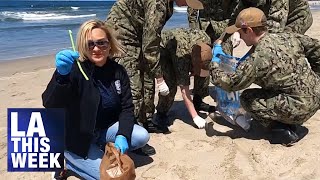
(101, 44)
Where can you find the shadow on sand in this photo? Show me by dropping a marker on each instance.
(256, 132)
(140, 160)
(179, 111)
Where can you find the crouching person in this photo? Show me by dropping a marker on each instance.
(184, 52)
(289, 93)
(96, 96)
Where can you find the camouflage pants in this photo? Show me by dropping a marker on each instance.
(133, 62)
(142, 89)
(201, 86)
(149, 92)
(165, 102)
(268, 106)
(169, 74)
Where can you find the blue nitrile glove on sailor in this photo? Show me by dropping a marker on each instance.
(217, 51)
(121, 144)
(64, 61)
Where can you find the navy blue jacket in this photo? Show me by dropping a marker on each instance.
(82, 99)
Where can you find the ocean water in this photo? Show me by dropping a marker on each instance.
(36, 28)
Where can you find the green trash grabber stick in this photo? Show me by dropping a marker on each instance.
(78, 62)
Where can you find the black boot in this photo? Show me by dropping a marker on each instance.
(155, 128)
(146, 150)
(60, 175)
(284, 134)
(162, 119)
(162, 122)
(199, 105)
(64, 174)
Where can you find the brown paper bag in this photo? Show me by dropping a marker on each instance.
(116, 166)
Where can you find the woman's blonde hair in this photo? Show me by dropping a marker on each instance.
(83, 34)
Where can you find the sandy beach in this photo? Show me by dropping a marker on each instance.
(221, 151)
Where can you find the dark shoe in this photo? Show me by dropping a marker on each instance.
(64, 174)
(60, 175)
(146, 150)
(301, 131)
(199, 105)
(284, 134)
(154, 128)
(162, 119)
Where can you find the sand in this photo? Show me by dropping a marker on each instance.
(221, 151)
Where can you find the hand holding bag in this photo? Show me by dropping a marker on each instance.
(116, 166)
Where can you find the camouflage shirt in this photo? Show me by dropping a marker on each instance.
(176, 48)
(278, 64)
(276, 12)
(216, 13)
(299, 17)
(312, 51)
(145, 19)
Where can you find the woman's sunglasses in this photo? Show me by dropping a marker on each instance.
(101, 44)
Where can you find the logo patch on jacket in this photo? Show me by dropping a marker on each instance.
(118, 86)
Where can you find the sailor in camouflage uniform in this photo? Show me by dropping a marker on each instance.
(178, 46)
(292, 15)
(213, 19)
(290, 88)
(276, 12)
(139, 24)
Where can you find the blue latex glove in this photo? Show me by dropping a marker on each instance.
(64, 61)
(121, 144)
(217, 51)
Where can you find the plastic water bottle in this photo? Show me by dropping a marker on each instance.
(243, 122)
(228, 103)
(228, 63)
